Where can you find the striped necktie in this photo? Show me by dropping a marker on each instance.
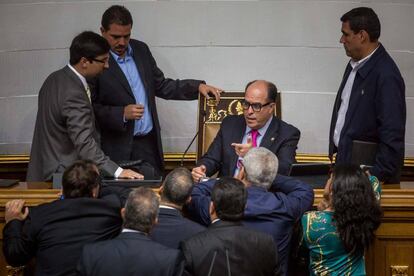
(88, 92)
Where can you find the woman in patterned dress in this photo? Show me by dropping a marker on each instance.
(338, 233)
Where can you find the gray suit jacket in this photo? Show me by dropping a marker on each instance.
(65, 128)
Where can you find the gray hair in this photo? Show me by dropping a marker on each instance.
(141, 209)
(260, 165)
(177, 186)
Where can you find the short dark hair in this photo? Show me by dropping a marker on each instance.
(116, 14)
(141, 209)
(229, 197)
(80, 178)
(177, 186)
(88, 45)
(271, 90)
(363, 18)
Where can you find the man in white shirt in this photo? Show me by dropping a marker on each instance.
(65, 124)
(370, 105)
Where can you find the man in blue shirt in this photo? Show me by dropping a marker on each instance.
(124, 96)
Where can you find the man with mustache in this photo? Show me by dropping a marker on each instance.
(370, 105)
(124, 96)
(256, 127)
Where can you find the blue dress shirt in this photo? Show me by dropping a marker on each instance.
(127, 64)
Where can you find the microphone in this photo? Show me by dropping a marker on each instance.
(202, 113)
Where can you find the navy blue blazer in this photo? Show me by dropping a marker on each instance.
(130, 253)
(274, 213)
(280, 138)
(172, 228)
(376, 113)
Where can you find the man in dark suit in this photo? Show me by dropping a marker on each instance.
(227, 247)
(236, 134)
(124, 96)
(370, 105)
(65, 124)
(133, 252)
(273, 212)
(54, 233)
(172, 227)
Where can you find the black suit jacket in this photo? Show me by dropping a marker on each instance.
(112, 93)
(130, 253)
(376, 113)
(228, 246)
(172, 228)
(280, 138)
(55, 232)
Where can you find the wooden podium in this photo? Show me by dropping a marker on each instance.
(391, 254)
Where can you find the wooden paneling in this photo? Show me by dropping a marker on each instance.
(392, 250)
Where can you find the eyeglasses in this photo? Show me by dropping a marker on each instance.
(99, 60)
(257, 107)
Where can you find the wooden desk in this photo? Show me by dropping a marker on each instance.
(391, 254)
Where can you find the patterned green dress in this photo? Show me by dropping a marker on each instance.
(327, 253)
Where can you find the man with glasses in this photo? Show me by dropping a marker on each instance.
(257, 127)
(65, 124)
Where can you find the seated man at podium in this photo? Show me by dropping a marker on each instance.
(257, 127)
(55, 232)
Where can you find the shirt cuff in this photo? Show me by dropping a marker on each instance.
(118, 172)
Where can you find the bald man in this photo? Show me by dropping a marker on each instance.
(256, 127)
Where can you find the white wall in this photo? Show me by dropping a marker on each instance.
(227, 43)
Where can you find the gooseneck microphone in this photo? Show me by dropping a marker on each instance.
(203, 113)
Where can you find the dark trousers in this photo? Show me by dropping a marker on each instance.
(145, 148)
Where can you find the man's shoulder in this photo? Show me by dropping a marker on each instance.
(58, 75)
(180, 221)
(134, 43)
(67, 207)
(286, 127)
(383, 63)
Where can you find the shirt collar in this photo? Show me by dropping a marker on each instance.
(358, 64)
(82, 78)
(261, 130)
(167, 207)
(128, 230)
(128, 55)
(216, 220)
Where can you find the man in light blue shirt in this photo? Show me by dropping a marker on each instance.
(124, 97)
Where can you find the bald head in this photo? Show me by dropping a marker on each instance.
(263, 94)
(177, 187)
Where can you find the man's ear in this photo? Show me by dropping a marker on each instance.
(188, 200)
(84, 62)
(241, 174)
(102, 30)
(212, 209)
(95, 192)
(123, 213)
(364, 36)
